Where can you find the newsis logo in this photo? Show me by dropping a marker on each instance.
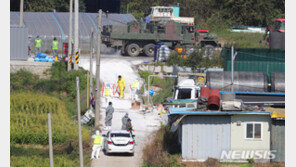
(246, 154)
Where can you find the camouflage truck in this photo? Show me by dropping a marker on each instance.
(135, 38)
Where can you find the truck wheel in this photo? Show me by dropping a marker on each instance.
(133, 50)
(210, 51)
(149, 50)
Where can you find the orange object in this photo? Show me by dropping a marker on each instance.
(103, 87)
(179, 50)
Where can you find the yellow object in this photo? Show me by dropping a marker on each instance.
(163, 111)
(135, 85)
(107, 92)
(38, 43)
(276, 112)
(56, 58)
(200, 79)
(121, 86)
(77, 58)
(98, 140)
(179, 50)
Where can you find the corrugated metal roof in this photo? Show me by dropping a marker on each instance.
(188, 111)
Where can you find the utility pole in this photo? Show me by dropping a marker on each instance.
(76, 35)
(98, 93)
(127, 9)
(233, 55)
(70, 37)
(50, 141)
(91, 65)
(79, 123)
(21, 12)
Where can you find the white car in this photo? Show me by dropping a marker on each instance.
(119, 141)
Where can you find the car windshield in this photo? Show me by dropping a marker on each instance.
(120, 135)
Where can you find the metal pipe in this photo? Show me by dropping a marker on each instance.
(21, 12)
(70, 38)
(76, 35)
(172, 76)
(50, 140)
(79, 123)
(232, 70)
(91, 66)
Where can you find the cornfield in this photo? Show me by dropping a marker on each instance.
(28, 120)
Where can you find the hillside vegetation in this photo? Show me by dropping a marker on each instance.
(30, 100)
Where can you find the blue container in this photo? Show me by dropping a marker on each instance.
(176, 10)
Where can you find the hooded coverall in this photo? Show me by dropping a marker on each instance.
(97, 145)
(121, 86)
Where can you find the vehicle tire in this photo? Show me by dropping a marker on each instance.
(133, 50)
(149, 50)
(209, 51)
(132, 154)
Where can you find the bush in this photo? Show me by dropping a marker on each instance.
(62, 80)
(195, 60)
(22, 80)
(167, 85)
(28, 120)
(163, 151)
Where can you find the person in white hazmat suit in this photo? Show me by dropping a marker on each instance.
(109, 116)
(98, 140)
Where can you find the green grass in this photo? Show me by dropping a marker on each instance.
(241, 39)
(39, 157)
(166, 85)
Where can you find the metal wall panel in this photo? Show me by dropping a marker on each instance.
(18, 43)
(49, 25)
(205, 136)
(278, 139)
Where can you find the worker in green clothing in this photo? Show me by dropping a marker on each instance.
(38, 43)
(55, 46)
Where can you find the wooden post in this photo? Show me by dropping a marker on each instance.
(50, 140)
(98, 93)
(79, 123)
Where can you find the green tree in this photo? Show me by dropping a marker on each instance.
(49, 5)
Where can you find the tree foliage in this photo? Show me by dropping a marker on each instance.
(195, 60)
(47, 5)
(242, 12)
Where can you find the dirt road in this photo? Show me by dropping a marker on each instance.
(144, 124)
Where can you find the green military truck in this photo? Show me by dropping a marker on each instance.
(135, 38)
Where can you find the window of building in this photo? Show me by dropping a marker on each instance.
(253, 130)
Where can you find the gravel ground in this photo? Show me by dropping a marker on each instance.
(144, 124)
